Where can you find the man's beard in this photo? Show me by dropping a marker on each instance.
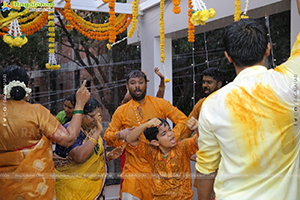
(137, 98)
(207, 94)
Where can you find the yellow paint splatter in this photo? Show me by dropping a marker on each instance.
(261, 117)
(280, 69)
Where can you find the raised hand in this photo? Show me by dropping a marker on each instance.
(156, 70)
(155, 122)
(192, 124)
(82, 95)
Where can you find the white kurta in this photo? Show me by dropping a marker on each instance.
(249, 130)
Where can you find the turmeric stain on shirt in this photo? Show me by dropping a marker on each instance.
(262, 117)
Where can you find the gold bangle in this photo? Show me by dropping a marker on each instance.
(93, 140)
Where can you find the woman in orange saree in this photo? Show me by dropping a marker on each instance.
(26, 134)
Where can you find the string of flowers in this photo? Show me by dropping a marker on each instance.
(191, 27)
(91, 30)
(94, 33)
(31, 27)
(176, 8)
(162, 31)
(52, 63)
(135, 14)
(162, 38)
(36, 24)
(201, 13)
(112, 21)
(238, 11)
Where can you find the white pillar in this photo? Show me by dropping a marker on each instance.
(295, 22)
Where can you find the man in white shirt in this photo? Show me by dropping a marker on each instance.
(250, 130)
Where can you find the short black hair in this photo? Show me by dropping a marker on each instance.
(151, 133)
(136, 73)
(214, 72)
(246, 41)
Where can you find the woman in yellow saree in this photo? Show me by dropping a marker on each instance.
(26, 134)
(81, 168)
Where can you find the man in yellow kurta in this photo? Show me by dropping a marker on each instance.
(249, 129)
(137, 185)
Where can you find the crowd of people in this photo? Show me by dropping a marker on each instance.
(245, 134)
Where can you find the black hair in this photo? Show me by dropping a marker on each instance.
(216, 73)
(91, 105)
(246, 41)
(15, 73)
(136, 73)
(151, 133)
(72, 99)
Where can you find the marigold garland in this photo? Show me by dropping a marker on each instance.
(176, 8)
(238, 12)
(162, 37)
(91, 30)
(162, 31)
(112, 21)
(191, 27)
(52, 63)
(135, 14)
(31, 27)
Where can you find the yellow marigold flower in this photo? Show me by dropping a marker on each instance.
(108, 46)
(51, 40)
(48, 66)
(167, 80)
(212, 13)
(51, 50)
(51, 29)
(51, 23)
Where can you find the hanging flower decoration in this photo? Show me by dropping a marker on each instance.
(105, 1)
(112, 21)
(238, 12)
(15, 36)
(201, 13)
(52, 63)
(39, 20)
(135, 14)
(92, 30)
(176, 8)
(191, 27)
(162, 37)
(162, 31)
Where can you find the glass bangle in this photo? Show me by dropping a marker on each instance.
(77, 112)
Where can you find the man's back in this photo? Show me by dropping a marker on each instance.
(256, 132)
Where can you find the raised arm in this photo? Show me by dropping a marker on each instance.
(67, 137)
(161, 88)
(298, 3)
(133, 137)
